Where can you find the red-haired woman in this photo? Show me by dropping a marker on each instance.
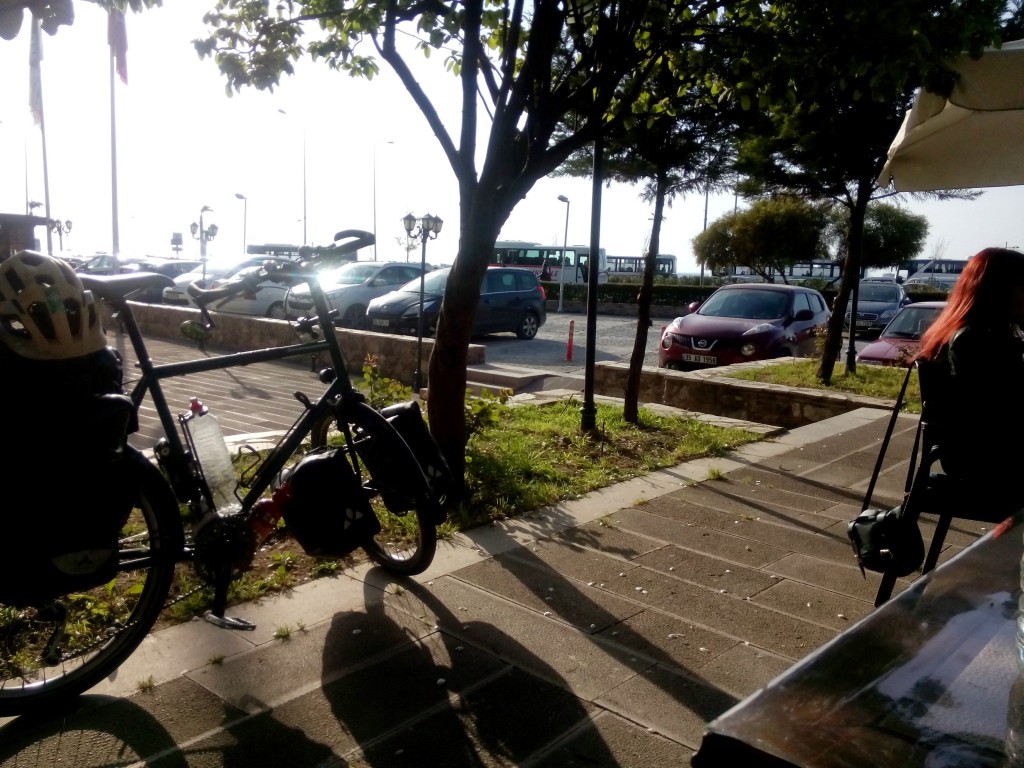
(971, 363)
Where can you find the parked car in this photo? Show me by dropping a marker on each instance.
(900, 339)
(103, 264)
(350, 287)
(169, 267)
(266, 302)
(743, 322)
(511, 299)
(877, 304)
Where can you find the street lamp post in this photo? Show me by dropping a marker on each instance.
(565, 245)
(204, 235)
(428, 228)
(245, 221)
(61, 229)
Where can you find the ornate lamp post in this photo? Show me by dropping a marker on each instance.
(60, 228)
(204, 235)
(425, 229)
(565, 245)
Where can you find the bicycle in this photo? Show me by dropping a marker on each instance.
(385, 463)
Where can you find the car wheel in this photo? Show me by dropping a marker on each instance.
(276, 311)
(354, 317)
(528, 327)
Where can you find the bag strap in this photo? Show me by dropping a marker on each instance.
(885, 444)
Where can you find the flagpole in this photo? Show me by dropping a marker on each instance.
(113, 168)
(36, 104)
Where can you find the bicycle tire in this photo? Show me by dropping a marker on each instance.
(407, 541)
(109, 621)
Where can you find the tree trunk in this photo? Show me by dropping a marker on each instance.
(446, 398)
(851, 275)
(631, 407)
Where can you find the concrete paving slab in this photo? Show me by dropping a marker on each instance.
(545, 591)
(743, 669)
(669, 703)
(608, 739)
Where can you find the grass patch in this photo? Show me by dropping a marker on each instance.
(881, 381)
(537, 455)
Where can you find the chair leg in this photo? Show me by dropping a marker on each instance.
(885, 588)
(936, 546)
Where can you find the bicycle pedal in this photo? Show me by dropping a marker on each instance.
(229, 622)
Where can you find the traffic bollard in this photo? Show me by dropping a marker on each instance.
(568, 349)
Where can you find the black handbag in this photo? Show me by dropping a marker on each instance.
(889, 541)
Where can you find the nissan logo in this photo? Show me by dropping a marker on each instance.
(702, 343)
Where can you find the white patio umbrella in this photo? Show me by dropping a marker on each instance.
(975, 138)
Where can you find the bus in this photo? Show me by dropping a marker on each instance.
(551, 262)
(829, 271)
(664, 265)
(938, 273)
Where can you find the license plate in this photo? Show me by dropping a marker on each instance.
(863, 323)
(381, 323)
(704, 359)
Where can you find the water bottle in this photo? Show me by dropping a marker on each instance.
(213, 456)
(266, 512)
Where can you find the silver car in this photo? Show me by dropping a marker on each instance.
(349, 289)
(267, 301)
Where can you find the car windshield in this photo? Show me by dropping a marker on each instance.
(746, 304)
(912, 322)
(878, 292)
(353, 273)
(432, 283)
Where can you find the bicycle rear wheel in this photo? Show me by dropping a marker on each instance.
(57, 650)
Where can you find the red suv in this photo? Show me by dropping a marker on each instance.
(743, 322)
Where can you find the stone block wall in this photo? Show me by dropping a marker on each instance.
(396, 354)
(710, 392)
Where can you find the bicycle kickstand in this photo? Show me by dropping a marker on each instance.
(216, 615)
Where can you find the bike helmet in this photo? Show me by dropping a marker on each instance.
(45, 312)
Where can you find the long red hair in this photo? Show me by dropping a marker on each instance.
(981, 297)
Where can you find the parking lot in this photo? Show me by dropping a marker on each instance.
(614, 341)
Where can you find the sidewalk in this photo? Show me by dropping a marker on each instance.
(605, 631)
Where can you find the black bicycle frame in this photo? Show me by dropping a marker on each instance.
(153, 374)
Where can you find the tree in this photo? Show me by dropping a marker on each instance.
(675, 143)
(892, 236)
(539, 67)
(827, 86)
(774, 233)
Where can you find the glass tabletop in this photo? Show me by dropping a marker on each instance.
(928, 679)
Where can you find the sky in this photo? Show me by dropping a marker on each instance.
(321, 153)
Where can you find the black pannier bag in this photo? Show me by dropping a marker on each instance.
(889, 541)
(70, 488)
(407, 419)
(328, 511)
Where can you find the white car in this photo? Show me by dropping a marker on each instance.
(267, 301)
(350, 287)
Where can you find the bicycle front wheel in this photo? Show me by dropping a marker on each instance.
(388, 474)
(407, 540)
(56, 650)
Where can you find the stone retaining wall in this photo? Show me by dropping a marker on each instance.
(396, 354)
(701, 391)
(710, 392)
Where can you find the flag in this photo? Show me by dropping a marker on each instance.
(117, 36)
(35, 82)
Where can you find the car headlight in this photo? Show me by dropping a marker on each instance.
(748, 349)
(761, 328)
(889, 314)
